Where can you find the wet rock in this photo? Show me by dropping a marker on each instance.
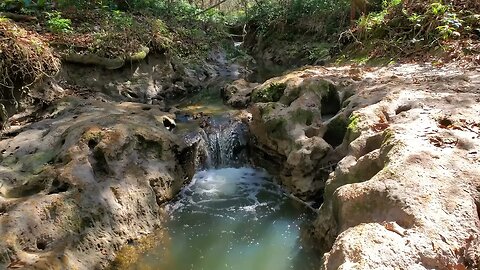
(293, 119)
(238, 94)
(79, 185)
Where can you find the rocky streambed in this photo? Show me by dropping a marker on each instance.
(391, 153)
(388, 157)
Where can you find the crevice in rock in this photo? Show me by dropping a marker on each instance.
(92, 143)
(58, 187)
(477, 205)
(403, 108)
(168, 123)
(28, 189)
(336, 131)
(41, 244)
(330, 103)
(100, 164)
(156, 185)
(444, 121)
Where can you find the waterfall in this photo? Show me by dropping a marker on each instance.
(221, 143)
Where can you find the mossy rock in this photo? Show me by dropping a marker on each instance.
(302, 116)
(353, 129)
(271, 93)
(268, 108)
(291, 96)
(35, 163)
(93, 59)
(138, 56)
(149, 147)
(277, 128)
(108, 63)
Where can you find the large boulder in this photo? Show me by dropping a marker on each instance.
(297, 125)
(90, 178)
(406, 196)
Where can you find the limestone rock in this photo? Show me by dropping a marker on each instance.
(406, 196)
(77, 186)
(237, 94)
(297, 121)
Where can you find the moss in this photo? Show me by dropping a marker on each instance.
(277, 128)
(291, 96)
(353, 122)
(353, 129)
(388, 137)
(129, 255)
(140, 55)
(30, 185)
(271, 93)
(93, 135)
(303, 116)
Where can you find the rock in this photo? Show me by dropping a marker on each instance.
(295, 123)
(92, 59)
(108, 63)
(76, 187)
(405, 193)
(238, 93)
(406, 196)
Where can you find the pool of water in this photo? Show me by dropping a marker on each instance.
(233, 219)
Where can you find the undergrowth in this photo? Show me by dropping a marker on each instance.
(24, 56)
(413, 28)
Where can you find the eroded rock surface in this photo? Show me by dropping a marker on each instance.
(83, 182)
(297, 125)
(405, 192)
(406, 195)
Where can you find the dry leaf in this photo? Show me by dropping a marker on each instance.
(380, 126)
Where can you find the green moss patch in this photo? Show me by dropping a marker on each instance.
(303, 116)
(277, 128)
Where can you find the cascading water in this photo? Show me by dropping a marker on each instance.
(220, 144)
(230, 216)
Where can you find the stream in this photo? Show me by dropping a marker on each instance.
(231, 216)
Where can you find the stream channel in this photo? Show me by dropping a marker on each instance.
(231, 215)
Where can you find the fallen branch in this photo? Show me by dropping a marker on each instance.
(17, 17)
(209, 8)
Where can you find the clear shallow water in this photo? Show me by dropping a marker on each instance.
(233, 219)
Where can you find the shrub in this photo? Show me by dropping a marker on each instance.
(57, 24)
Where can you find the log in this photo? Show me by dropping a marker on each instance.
(18, 17)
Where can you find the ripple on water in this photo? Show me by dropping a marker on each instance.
(233, 219)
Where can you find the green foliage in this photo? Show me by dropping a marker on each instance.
(322, 17)
(319, 51)
(271, 93)
(57, 24)
(121, 19)
(403, 28)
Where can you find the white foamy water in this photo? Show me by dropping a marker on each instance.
(233, 219)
